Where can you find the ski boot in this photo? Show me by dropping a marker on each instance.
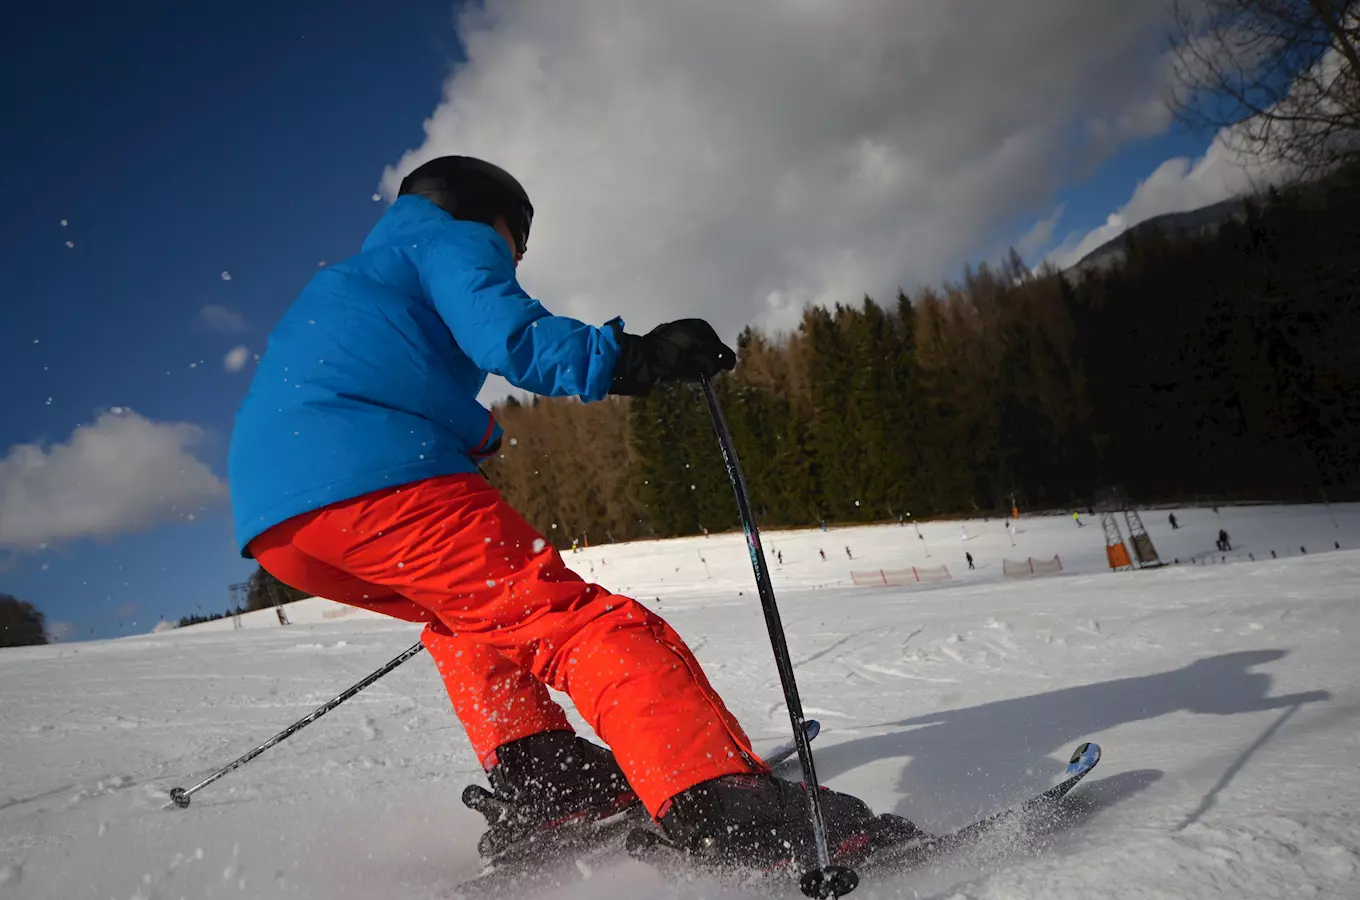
(761, 824)
(543, 782)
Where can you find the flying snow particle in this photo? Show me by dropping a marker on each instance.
(35, 340)
(226, 276)
(118, 410)
(70, 243)
(63, 223)
(514, 442)
(491, 582)
(193, 365)
(377, 197)
(49, 402)
(539, 544)
(236, 360)
(321, 264)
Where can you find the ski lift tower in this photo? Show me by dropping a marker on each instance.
(238, 593)
(1116, 552)
(1111, 502)
(1143, 551)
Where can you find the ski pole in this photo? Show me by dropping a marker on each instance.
(180, 796)
(826, 880)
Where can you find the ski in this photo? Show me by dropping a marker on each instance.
(916, 853)
(647, 845)
(536, 857)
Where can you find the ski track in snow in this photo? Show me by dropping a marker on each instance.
(1226, 697)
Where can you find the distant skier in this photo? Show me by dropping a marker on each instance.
(377, 502)
(1172, 517)
(1076, 517)
(779, 555)
(1223, 543)
(970, 559)
(823, 553)
(848, 553)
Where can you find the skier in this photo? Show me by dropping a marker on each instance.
(1172, 517)
(1223, 543)
(1076, 517)
(970, 559)
(848, 554)
(353, 469)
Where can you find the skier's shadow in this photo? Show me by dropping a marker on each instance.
(965, 762)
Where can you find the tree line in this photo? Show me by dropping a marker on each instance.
(1224, 364)
(21, 623)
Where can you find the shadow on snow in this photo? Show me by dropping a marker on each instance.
(964, 763)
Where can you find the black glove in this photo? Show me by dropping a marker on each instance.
(685, 350)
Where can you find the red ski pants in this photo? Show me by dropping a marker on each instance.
(505, 616)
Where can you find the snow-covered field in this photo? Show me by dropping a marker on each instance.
(1226, 697)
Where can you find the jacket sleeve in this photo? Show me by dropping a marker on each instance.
(504, 330)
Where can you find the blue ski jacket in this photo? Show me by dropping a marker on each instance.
(370, 379)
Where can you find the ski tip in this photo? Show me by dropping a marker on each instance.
(1084, 758)
(812, 728)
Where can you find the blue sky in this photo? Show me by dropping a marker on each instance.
(181, 141)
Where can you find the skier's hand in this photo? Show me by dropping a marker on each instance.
(684, 350)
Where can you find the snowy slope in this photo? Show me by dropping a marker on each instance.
(1227, 698)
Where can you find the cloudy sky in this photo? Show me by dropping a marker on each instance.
(174, 179)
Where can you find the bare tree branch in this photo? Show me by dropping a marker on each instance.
(1281, 78)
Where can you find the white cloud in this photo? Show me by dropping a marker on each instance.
(736, 160)
(223, 319)
(124, 473)
(1177, 185)
(1040, 234)
(236, 359)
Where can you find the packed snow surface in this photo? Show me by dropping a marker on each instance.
(1225, 692)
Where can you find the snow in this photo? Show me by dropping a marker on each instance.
(1226, 697)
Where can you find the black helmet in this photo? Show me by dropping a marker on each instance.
(475, 190)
